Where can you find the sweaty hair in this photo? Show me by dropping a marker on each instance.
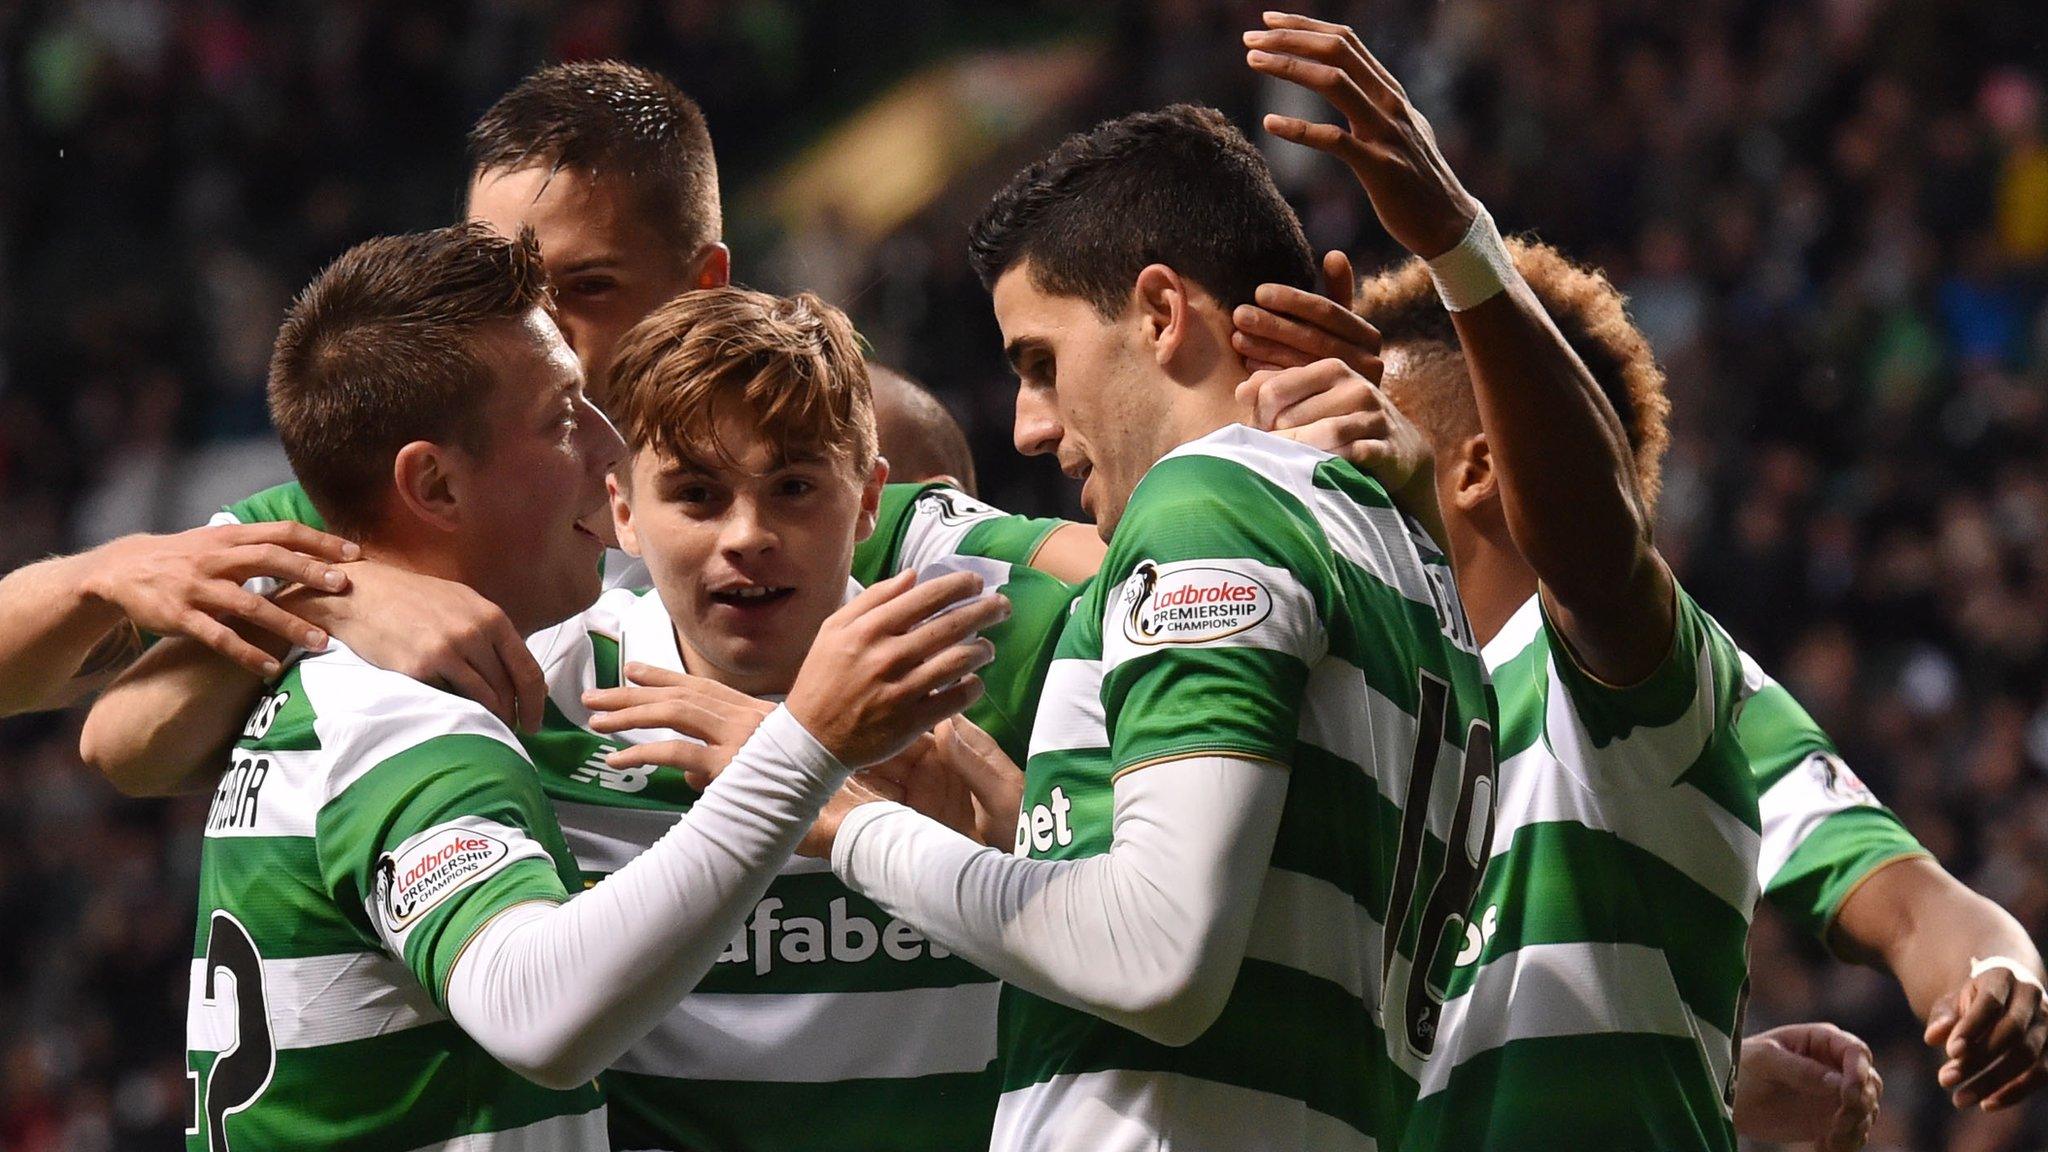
(790, 366)
(381, 349)
(1179, 187)
(613, 121)
(1586, 307)
(918, 435)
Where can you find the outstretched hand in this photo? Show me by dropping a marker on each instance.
(1807, 1083)
(1385, 142)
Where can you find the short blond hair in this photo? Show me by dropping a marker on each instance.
(791, 366)
(1588, 310)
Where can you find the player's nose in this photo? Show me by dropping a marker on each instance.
(1037, 428)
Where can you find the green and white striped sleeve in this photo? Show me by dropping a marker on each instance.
(1824, 831)
(435, 838)
(1217, 615)
(920, 523)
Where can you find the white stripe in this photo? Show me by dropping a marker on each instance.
(1120, 1111)
(1647, 755)
(1312, 926)
(1580, 989)
(1070, 712)
(1679, 825)
(364, 715)
(822, 1037)
(1347, 717)
(268, 794)
(1515, 636)
(313, 1001)
(1797, 804)
(585, 1133)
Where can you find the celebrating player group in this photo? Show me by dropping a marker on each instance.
(629, 731)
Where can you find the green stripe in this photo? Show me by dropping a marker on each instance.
(561, 747)
(272, 884)
(1011, 538)
(604, 651)
(1840, 853)
(1251, 704)
(1778, 735)
(1575, 1094)
(1565, 883)
(1283, 1032)
(938, 1113)
(388, 1094)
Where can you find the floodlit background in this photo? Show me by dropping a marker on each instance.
(1831, 216)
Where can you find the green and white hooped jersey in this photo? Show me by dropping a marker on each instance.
(826, 1025)
(1824, 831)
(1265, 600)
(366, 827)
(920, 523)
(1597, 1000)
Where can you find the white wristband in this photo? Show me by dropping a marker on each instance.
(1475, 271)
(2019, 971)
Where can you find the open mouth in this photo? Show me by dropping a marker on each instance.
(752, 596)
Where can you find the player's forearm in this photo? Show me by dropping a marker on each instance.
(164, 726)
(1926, 927)
(1148, 936)
(558, 993)
(50, 622)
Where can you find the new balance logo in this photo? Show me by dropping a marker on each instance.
(596, 771)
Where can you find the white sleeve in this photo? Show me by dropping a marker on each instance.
(559, 992)
(1148, 936)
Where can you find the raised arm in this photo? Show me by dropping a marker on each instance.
(1565, 474)
(67, 624)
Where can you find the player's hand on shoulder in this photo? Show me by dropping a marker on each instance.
(1386, 142)
(1993, 1031)
(715, 719)
(438, 632)
(188, 583)
(1807, 1083)
(894, 661)
(1328, 406)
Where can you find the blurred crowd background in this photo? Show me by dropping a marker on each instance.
(1831, 217)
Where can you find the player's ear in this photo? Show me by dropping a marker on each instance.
(871, 499)
(425, 477)
(1471, 474)
(715, 270)
(1160, 297)
(618, 490)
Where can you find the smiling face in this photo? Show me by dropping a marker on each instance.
(750, 553)
(609, 264)
(1088, 392)
(534, 513)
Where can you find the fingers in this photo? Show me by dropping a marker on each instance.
(951, 663)
(2017, 1089)
(1284, 326)
(695, 760)
(1288, 21)
(1340, 284)
(222, 639)
(1321, 62)
(1263, 355)
(237, 601)
(948, 701)
(295, 536)
(529, 684)
(1327, 138)
(478, 651)
(249, 561)
(2011, 1051)
(937, 635)
(719, 696)
(1981, 1004)
(1940, 1022)
(1330, 315)
(909, 613)
(874, 596)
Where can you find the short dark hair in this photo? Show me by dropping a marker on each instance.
(1179, 187)
(381, 350)
(611, 120)
(1590, 313)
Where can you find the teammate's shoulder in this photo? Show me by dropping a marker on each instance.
(365, 715)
